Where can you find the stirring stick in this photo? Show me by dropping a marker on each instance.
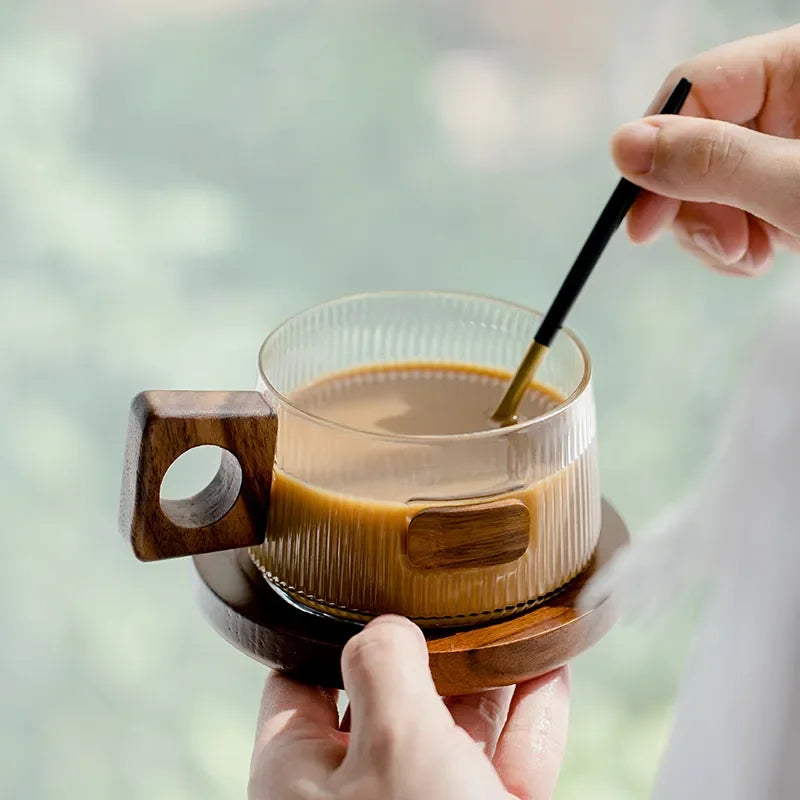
(609, 220)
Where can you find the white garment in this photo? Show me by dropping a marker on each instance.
(737, 729)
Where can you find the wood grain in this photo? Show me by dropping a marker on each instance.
(263, 623)
(463, 536)
(231, 512)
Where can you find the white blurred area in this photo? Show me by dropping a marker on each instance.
(177, 177)
(733, 537)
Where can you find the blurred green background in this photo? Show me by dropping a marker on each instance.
(177, 177)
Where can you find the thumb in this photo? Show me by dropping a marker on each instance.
(387, 678)
(709, 161)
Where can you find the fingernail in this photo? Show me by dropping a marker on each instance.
(634, 147)
(396, 621)
(709, 244)
(746, 266)
(390, 619)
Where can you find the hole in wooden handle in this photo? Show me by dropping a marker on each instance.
(213, 502)
(463, 536)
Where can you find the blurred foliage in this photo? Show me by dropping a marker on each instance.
(170, 191)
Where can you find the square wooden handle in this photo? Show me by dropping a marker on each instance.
(232, 510)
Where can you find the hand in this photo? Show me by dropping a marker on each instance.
(405, 742)
(726, 175)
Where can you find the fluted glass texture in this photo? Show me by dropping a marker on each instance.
(338, 543)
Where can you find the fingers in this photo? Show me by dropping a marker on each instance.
(724, 238)
(728, 83)
(731, 82)
(531, 747)
(717, 235)
(754, 82)
(388, 680)
(482, 715)
(296, 737)
(649, 215)
(780, 238)
(760, 252)
(720, 232)
(710, 161)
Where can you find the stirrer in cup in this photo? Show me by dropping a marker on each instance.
(607, 223)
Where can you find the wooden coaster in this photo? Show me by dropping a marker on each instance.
(259, 620)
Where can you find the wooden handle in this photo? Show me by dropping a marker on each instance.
(464, 536)
(231, 511)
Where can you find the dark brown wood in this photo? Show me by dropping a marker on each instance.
(231, 512)
(263, 623)
(474, 535)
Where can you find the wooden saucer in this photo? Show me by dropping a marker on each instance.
(259, 620)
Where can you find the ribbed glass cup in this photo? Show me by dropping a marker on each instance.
(343, 551)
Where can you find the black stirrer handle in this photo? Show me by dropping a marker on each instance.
(607, 223)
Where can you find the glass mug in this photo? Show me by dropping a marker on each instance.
(446, 529)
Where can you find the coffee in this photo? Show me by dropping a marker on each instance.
(347, 536)
(418, 400)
